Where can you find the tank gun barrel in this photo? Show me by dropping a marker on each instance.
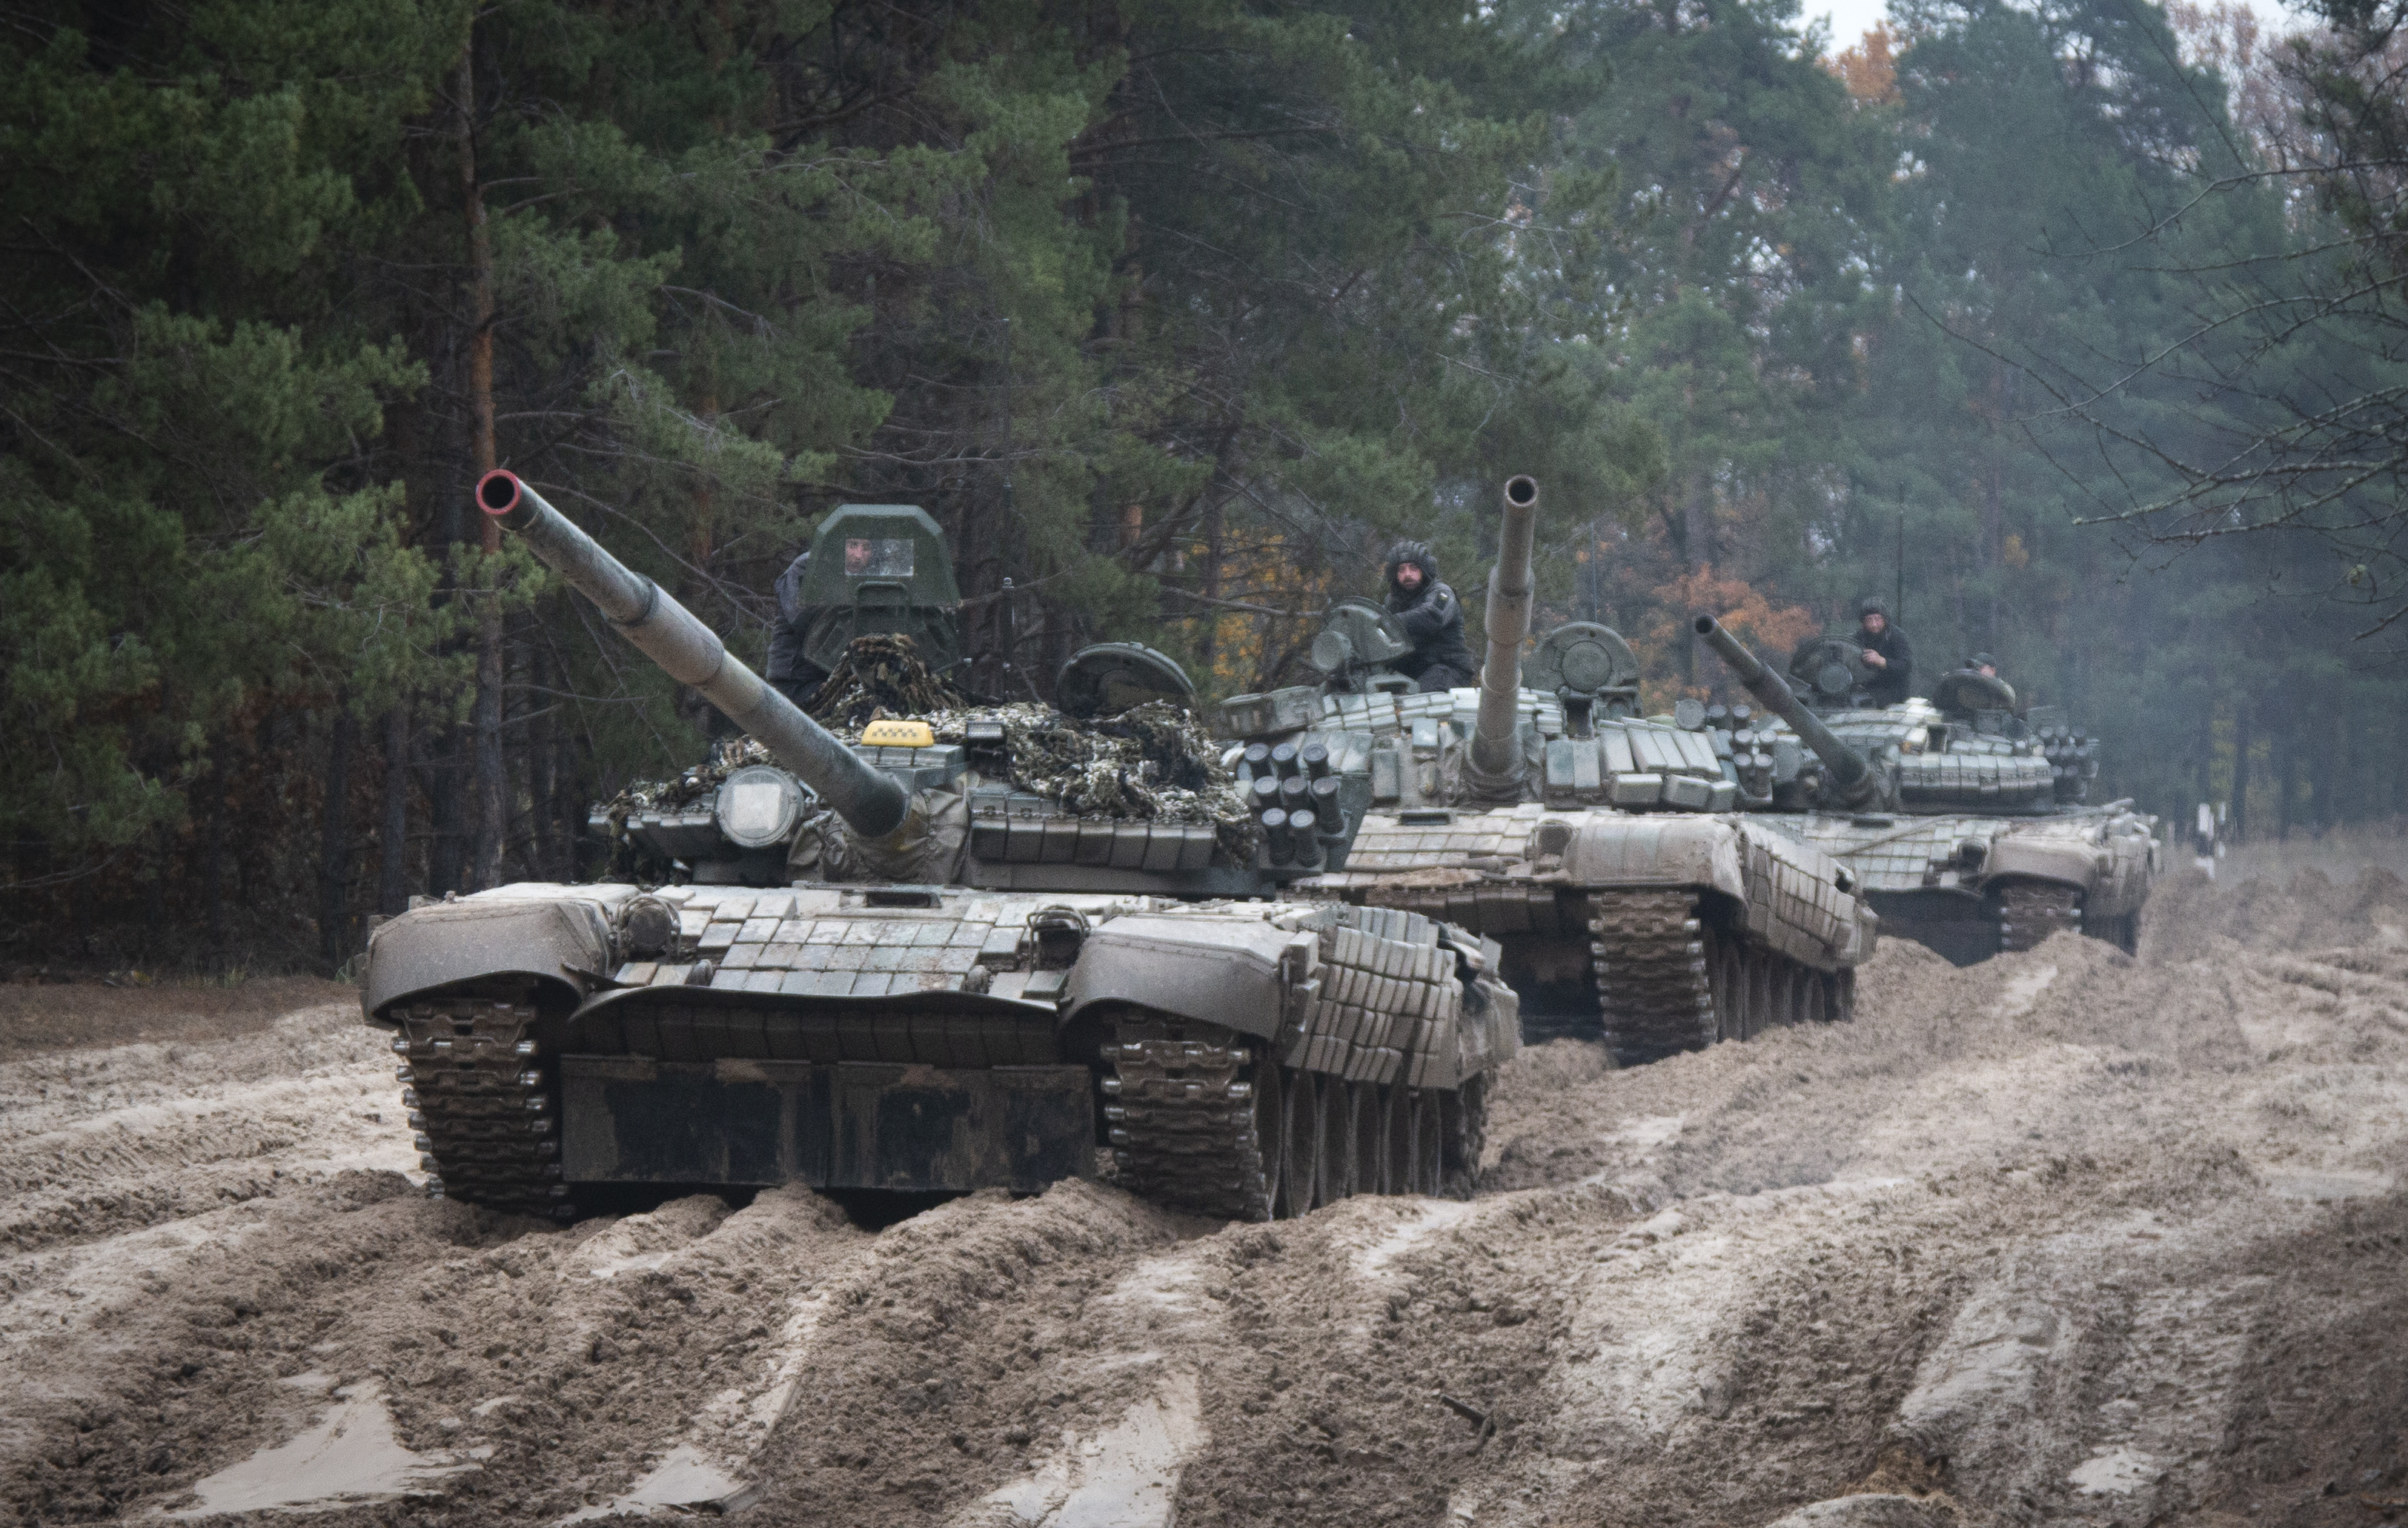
(1849, 771)
(1496, 745)
(871, 803)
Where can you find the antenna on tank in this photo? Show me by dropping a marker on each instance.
(1898, 604)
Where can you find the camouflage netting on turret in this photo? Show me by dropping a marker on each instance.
(1154, 761)
(882, 676)
(700, 783)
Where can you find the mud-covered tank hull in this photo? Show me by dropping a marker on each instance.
(1970, 886)
(1246, 1059)
(1656, 933)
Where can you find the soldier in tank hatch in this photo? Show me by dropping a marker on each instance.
(794, 676)
(1432, 618)
(1886, 652)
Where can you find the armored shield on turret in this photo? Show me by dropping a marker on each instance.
(880, 570)
(989, 947)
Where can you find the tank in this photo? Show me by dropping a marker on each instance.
(1601, 851)
(1966, 819)
(993, 947)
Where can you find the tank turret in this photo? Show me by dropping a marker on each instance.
(872, 803)
(1962, 822)
(1853, 783)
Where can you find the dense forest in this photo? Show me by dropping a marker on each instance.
(2072, 326)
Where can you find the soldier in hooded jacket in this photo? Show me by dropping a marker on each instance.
(792, 674)
(1432, 618)
(1886, 654)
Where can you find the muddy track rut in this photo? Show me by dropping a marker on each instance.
(2066, 1237)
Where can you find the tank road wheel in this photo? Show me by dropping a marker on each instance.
(1758, 1009)
(1463, 1131)
(479, 1097)
(1363, 1153)
(1271, 1129)
(1818, 998)
(1339, 1175)
(1201, 1120)
(1727, 971)
(1846, 981)
(1300, 1169)
(1430, 1143)
(1395, 1140)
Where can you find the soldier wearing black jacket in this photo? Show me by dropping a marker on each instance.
(1432, 618)
(1888, 653)
(791, 673)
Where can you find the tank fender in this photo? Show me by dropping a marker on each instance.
(2015, 856)
(1621, 850)
(559, 938)
(1239, 972)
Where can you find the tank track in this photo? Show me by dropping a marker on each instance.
(1666, 981)
(479, 1097)
(1649, 953)
(2031, 911)
(1202, 1122)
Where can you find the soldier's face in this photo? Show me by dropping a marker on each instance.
(1875, 622)
(1409, 576)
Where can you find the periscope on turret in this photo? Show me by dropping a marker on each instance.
(1967, 821)
(985, 945)
(1537, 808)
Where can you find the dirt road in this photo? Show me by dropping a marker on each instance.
(2065, 1238)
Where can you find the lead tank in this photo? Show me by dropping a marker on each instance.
(1967, 824)
(956, 983)
(1598, 851)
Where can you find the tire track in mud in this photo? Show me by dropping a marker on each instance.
(2064, 1237)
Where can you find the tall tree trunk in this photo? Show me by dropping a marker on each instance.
(492, 778)
(2241, 745)
(335, 856)
(393, 872)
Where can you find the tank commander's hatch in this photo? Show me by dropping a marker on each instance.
(1966, 692)
(1109, 678)
(1585, 659)
(1830, 668)
(1357, 639)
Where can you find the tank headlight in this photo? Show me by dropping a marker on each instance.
(758, 806)
(648, 926)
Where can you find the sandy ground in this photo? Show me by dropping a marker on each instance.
(2064, 1238)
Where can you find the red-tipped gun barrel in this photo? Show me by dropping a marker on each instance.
(871, 804)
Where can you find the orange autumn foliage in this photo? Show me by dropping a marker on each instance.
(1870, 69)
(1771, 629)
